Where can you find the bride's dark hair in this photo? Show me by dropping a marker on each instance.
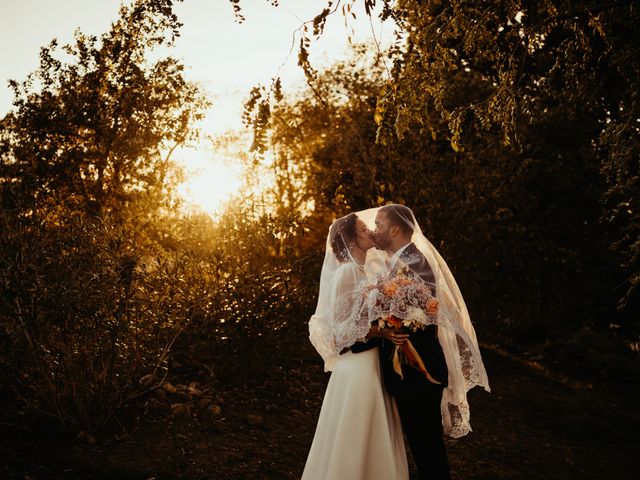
(342, 232)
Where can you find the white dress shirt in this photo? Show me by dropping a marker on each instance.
(396, 256)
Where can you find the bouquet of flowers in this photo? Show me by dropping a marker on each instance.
(403, 301)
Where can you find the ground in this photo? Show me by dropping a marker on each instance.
(534, 424)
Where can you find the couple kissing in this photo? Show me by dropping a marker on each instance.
(392, 327)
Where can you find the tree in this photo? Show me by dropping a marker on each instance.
(85, 165)
(97, 132)
(464, 69)
(576, 60)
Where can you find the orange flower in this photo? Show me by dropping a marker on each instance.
(394, 322)
(390, 289)
(432, 306)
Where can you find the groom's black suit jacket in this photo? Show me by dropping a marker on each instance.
(425, 341)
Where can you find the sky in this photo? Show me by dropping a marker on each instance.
(225, 57)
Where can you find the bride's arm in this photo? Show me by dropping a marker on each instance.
(349, 327)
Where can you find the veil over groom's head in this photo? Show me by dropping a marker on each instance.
(396, 227)
(400, 216)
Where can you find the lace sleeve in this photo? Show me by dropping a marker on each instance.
(349, 326)
(337, 323)
(322, 339)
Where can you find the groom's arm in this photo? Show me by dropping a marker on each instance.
(359, 347)
(372, 340)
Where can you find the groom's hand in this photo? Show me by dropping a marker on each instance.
(398, 337)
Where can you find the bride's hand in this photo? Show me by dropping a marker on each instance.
(398, 337)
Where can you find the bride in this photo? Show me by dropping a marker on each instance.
(359, 434)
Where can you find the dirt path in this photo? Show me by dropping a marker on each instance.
(534, 427)
(530, 427)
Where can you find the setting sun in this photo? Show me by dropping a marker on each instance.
(209, 181)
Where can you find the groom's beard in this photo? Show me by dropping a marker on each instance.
(379, 243)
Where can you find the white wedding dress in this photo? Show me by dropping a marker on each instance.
(359, 434)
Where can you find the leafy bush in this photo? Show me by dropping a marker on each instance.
(260, 292)
(91, 303)
(75, 312)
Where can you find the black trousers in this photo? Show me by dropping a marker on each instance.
(422, 424)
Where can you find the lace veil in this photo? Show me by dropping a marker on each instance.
(344, 312)
(337, 322)
(455, 331)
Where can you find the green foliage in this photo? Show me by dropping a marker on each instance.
(477, 72)
(90, 303)
(520, 62)
(258, 293)
(95, 313)
(79, 316)
(105, 288)
(98, 131)
(237, 10)
(621, 169)
(520, 229)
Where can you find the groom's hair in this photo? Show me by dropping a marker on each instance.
(400, 216)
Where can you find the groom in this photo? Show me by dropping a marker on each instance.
(417, 398)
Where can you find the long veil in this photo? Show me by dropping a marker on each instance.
(342, 317)
(455, 333)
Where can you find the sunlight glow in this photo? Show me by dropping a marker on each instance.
(209, 182)
(225, 58)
